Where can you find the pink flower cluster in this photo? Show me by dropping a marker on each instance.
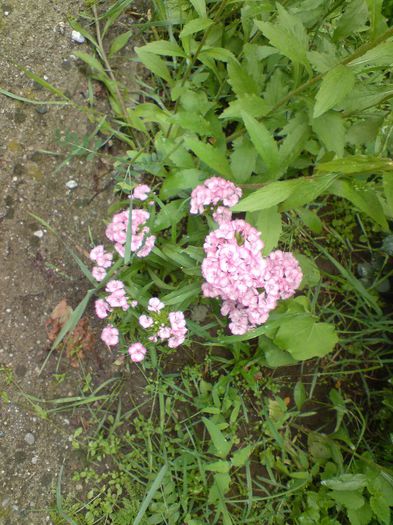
(102, 259)
(141, 192)
(116, 298)
(164, 327)
(142, 242)
(213, 191)
(234, 269)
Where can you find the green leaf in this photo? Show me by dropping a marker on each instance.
(154, 63)
(150, 494)
(211, 156)
(330, 130)
(377, 56)
(169, 215)
(360, 516)
(381, 509)
(336, 84)
(240, 457)
(311, 274)
(218, 466)
(196, 25)
(352, 21)
(218, 53)
(179, 181)
(349, 498)
(275, 357)
(200, 7)
(221, 445)
(307, 190)
(264, 143)
(268, 222)
(91, 61)
(303, 337)
(162, 47)
(119, 42)
(299, 395)
(364, 199)
(248, 103)
(268, 196)
(242, 83)
(346, 482)
(310, 219)
(192, 121)
(243, 159)
(288, 36)
(357, 164)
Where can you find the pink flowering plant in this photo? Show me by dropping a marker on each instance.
(197, 248)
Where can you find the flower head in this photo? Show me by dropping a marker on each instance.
(110, 335)
(137, 352)
(155, 305)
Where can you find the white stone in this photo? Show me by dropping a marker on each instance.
(39, 234)
(71, 184)
(77, 37)
(29, 438)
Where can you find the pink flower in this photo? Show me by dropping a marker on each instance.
(118, 299)
(222, 214)
(155, 305)
(133, 304)
(164, 332)
(145, 321)
(114, 285)
(110, 335)
(137, 352)
(96, 252)
(105, 260)
(213, 191)
(98, 273)
(102, 308)
(141, 192)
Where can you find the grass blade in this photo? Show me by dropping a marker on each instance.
(149, 496)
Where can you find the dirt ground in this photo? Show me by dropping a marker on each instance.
(35, 270)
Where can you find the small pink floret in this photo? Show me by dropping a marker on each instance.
(137, 352)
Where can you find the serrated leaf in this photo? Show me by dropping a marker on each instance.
(357, 164)
(200, 7)
(221, 445)
(248, 103)
(154, 63)
(352, 20)
(264, 143)
(192, 121)
(240, 457)
(91, 61)
(349, 499)
(309, 189)
(217, 53)
(119, 42)
(346, 482)
(211, 156)
(218, 466)
(241, 82)
(381, 509)
(381, 55)
(162, 47)
(336, 84)
(330, 130)
(196, 25)
(268, 222)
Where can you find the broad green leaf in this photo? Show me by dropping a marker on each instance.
(243, 159)
(377, 19)
(248, 103)
(360, 516)
(181, 180)
(299, 395)
(336, 84)
(346, 482)
(381, 509)
(381, 55)
(270, 195)
(211, 156)
(357, 164)
(155, 486)
(311, 274)
(322, 62)
(310, 219)
(241, 82)
(240, 457)
(218, 490)
(154, 63)
(192, 121)
(363, 97)
(330, 130)
(221, 445)
(200, 7)
(364, 199)
(119, 42)
(275, 357)
(307, 190)
(170, 214)
(217, 53)
(264, 143)
(349, 498)
(218, 466)
(268, 222)
(294, 143)
(388, 189)
(352, 21)
(196, 25)
(91, 61)
(162, 47)
(304, 338)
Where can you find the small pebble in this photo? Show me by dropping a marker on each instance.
(34, 460)
(6, 13)
(77, 37)
(39, 234)
(41, 110)
(29, 438)
(71, 184)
